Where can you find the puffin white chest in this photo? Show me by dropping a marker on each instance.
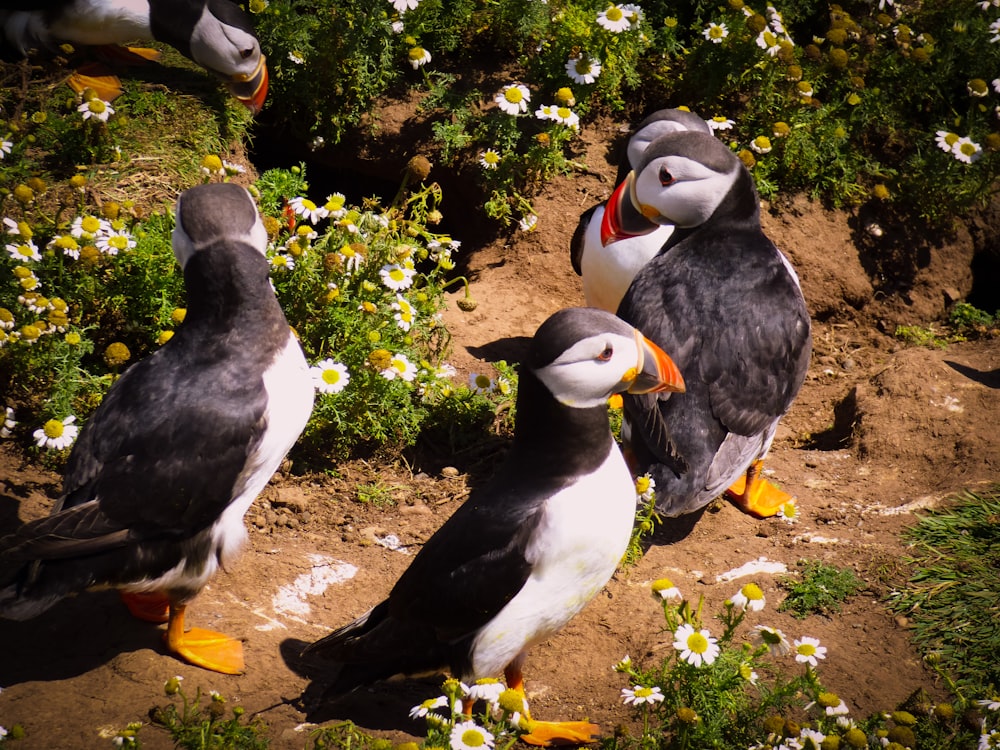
(607, 272)
(289, 403)
(579, 541)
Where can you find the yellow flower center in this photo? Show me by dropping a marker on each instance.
(54, 428)
(96, 106)
(119, 242)
(614, 13)
(331, 376)
(473, 738)
(90, 224)
(806, 649)
(513, 95)
(697, 643)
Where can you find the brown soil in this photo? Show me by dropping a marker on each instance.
(878, 432)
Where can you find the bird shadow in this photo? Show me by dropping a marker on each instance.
(676, 529)
(74, 637)
(509, 349)
(989, 378)
(385, 705)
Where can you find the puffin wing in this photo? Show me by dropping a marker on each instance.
(470, 568)
(578, 241)
(141, 457)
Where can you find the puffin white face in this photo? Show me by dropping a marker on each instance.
(223, 48)
(678, 190)
(213, 213)
(592, 369)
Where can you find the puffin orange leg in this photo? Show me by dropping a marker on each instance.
(203, 648)
(755, 495)
(548, 733)
(151, 606)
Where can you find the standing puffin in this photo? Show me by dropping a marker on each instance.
(606, 272)
(724, 301)
(526, 552)
(216, 34)
(156, 487)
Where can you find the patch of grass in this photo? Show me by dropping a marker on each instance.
(819, 589)
(375, 494)
(953, 597)
(200, 723)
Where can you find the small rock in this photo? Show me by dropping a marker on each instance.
(449, 471)
(902, 621)
(415, 510)
(848, 364)
(290, 497)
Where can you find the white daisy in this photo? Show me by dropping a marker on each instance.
(486, 689)
(115, 242)
(767, 40)
(418, 56)
(749, 597)
(567, 117)
(720, 123)
(715, 32)
(97, 109)
(583, 69)
(468, 735)
(24, 252)
(282, 262)
(808, 651)
(528, 223)
(89, 227)
(400, 367)
(5, 147)
(774, 639)
(56, 434)
(489, 159)
(405, 314)
(329, 376)
(513, 99)
(639, 694)
(334, 205)
(481, 384)
(308, 210)
(402, 6)
(696, 647)
(615, 18)
(966, 150)
(396, 277)
(9, 423)
(419, 712)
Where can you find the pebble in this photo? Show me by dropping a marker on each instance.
(449, 471)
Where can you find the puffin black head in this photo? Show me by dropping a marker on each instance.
(584, 355)
(219, 36)
(681, 179)
(661, 123)
(214, 212)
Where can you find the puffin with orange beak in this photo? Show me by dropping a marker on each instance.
(216, 34)
(527, 551)
(726, 304)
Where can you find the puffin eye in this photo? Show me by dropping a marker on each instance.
(246, 53)
(665, 177)
(606, 354)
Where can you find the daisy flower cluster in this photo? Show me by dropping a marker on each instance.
(483, 715)
(962, 148)
(714, 671)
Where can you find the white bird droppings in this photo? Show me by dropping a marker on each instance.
(760, 565)
(291, 598)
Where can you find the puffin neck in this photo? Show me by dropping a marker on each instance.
(554, 435)
(226, 283)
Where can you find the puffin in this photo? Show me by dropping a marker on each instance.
(727, 305)
(157, 484)
(216, 34)
(529, 549)
(607, 272)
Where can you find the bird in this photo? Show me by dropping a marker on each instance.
(156, 486)
(727, 305)
(216, 34)
(529, 549)
(607, 272)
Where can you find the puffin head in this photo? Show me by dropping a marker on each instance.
(681, 179)
(219, 36)
(583, 355)
(213, 213)
(660, 123)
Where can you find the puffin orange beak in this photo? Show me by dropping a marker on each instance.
(250, 90)
(655, 371)
(622, 216)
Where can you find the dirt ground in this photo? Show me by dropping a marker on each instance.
(879, 432)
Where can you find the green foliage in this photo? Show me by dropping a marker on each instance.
(198, 724)
(951, 597)
(964, 322)
(848, 100)
(818, 589)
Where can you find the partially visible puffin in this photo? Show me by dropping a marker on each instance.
(724, 301)
(157, 484)
(527, 551)
(216, 34)
(607, 271)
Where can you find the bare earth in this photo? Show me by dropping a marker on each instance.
(879, 432)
